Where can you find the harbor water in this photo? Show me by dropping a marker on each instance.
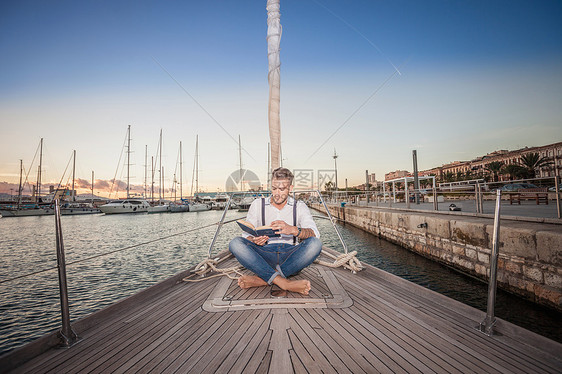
(110, 257)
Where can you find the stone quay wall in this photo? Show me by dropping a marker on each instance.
(530, 256)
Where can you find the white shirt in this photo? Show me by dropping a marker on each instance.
(304, 218)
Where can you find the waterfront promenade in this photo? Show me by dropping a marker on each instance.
(527, 210)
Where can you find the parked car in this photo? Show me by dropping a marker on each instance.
(553, 188)
(512, 187)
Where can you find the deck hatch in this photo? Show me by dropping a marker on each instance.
(326, 293)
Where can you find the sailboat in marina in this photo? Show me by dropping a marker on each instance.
(42, 205)
(196, 205)
(181, 206)
(129, 205)
(159, 206)
(74, 207)
(34, 207)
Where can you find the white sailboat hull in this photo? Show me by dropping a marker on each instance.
(179, 208)
(159, 209)
(198, 207)
(125, 206)
(79, 211)
(26, 212)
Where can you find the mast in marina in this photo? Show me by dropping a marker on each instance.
(181, 173)
(73, 174)
(92, 187)
(195, 174)
(196, 164)
(128, 157)
(145, 166)
(152, 182)
(38, 189)
(160, 168)
(20, 187)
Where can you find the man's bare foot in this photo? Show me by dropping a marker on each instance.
(301, 286)
(248, 281)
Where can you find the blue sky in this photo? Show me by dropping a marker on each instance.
(475, 77)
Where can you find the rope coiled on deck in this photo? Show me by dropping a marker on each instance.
(347, 260)
(208, 265)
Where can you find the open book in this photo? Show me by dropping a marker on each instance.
(257, 231)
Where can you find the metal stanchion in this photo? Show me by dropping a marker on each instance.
(407, 197)
(556, 189)
(487, 325)
(481, 198)
(68, 336)
(476, 196)
(332, 220)
(221, 222)
(435, 203)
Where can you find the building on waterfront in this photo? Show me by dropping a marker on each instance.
(478, 166)
(396, 174)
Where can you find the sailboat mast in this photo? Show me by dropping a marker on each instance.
(181, 173)
(20, 188)
(38, 189)
(128, 157)
(274, 79)
(175, 188)
(152, 182)
(160, 168)
(145, 166)
(73, 174)
(196, 164)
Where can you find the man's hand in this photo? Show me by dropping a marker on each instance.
(259, 240)
(283, 228)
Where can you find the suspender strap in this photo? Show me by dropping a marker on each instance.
(295, 218)
(263, 211)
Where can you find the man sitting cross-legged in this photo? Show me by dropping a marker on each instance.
(274, 259)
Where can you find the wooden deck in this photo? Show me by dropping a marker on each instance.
(367, 322)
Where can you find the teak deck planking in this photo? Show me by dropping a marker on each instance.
(389, 325)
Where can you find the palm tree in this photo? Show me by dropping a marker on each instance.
(515, 171)
(533, 161)
(495, 167)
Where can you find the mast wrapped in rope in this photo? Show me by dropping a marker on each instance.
(274, 31)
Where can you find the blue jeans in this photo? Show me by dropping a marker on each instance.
(271, 260)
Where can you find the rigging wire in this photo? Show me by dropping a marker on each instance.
(199, 104)
(360, 34)
(355, 112)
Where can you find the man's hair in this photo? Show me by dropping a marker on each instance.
(282, 173)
